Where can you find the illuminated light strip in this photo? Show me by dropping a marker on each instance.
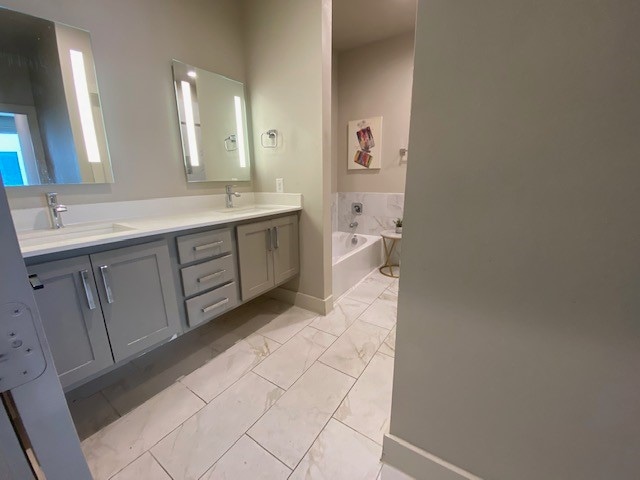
(240, 131)
(191, 126)
(84, 105)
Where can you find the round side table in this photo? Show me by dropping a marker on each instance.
(389, 239)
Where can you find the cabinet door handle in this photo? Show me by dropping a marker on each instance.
(269, 239)
(215, 305)
(84, 275)
(211, 276)
(275, 229)
(104, 271)
(207, 246)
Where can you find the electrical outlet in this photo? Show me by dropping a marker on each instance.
(280, 185)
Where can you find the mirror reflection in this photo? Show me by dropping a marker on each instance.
(51, 125)
(213, 125)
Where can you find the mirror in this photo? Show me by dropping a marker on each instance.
(213, 125)
(51, 125)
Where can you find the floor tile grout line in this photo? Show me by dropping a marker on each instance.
(326, 423)
(237, 380)
(116, 473)
(220, 457)
(334, 368)
(376, 325)
(282, 345)
(205, 403)
(194, 414)
(265, 449)
(158, 462)
(187, 387)
(319, 330)
(324, 426)
(356, 431)
(315, 361)
(267, 380)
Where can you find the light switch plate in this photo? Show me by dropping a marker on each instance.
(280, 185)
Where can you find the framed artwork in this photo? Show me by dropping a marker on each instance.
(365, 144)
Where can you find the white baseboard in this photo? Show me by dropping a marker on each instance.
(302, 300)
(419, 464)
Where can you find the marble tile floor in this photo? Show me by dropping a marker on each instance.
(269, 391)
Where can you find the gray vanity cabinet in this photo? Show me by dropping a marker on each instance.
(286, 258)
(135, 285)
(72, 318)
(255, 253)
(268, 254)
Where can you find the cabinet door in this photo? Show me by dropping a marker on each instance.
(255, 257)
(72, 318)
(286, 258)
(137, 295)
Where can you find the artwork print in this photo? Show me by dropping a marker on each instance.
(365, 144)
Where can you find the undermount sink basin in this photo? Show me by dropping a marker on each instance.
(43, 237)
(244, 210)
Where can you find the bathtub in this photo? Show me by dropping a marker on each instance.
(352, 262)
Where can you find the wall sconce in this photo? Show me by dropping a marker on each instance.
(269, 139)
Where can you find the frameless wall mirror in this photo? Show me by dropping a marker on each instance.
(213, 125)
(51, 126)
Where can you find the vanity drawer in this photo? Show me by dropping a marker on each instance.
(204, 245)
(204, 276)
(209, 305)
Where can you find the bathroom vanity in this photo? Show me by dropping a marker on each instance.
(150, 270)
(107, 298)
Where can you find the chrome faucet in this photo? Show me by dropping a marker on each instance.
(230, 194)
(55, 210)
(353, 224)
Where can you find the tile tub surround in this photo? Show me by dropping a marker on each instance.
(143, 218)
(268, 410)
(379, 212)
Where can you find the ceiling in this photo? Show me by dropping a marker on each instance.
(358, 22)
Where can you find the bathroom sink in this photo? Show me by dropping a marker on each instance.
(43, 237)
(249, 209)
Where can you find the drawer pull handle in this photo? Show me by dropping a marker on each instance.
(215, 305)
(207, 246)
(84, 275)
(208, 278)
(104, 271)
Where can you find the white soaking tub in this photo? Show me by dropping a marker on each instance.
(352, 261)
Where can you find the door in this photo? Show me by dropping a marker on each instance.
(255, 254)
(286, 259)
(28, 374)
(138, 297)
(72, 318)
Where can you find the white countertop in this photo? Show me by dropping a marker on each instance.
(35, 242)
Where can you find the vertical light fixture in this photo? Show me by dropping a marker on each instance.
(84, 105)
(240, 131)
(191, 126)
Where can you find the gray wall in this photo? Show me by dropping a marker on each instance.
(133, 44)
(288, 70)
(518, 342)
(374, 80)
